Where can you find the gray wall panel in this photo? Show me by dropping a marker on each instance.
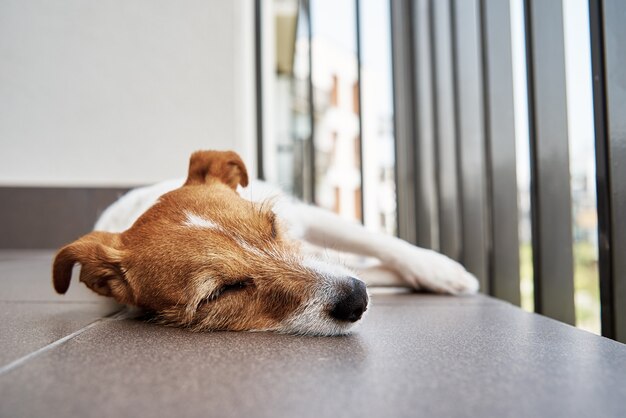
(42, 217)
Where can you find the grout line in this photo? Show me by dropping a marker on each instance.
(22, 360)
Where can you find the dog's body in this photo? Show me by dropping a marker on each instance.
(203, 257)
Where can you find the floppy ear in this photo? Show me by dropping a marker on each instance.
(100, 258)
(225, 166)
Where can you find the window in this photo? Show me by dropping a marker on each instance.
(472, 81)
(326, 114)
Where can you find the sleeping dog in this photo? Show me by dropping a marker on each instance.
(195, 253)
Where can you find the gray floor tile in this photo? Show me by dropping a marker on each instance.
(27, 327)
(32, 314)
(383, 297)
(409, 359)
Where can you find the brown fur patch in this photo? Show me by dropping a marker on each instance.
(178, 270)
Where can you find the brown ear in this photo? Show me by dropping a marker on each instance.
(100, 258)
(225, 166)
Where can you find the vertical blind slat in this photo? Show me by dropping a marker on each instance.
(404, 118)
(550, 178)
(427, 227)
(608, 44)
(471, 137)
(446, 146)
(501, 156)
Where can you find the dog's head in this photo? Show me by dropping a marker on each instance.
(204, 258)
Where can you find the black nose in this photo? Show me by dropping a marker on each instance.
(352, 303)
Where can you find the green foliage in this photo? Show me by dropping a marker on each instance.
(586, 284)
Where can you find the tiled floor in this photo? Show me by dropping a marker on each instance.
(414, 355)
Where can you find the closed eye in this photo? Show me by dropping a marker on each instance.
(233, 287)
(227, 288)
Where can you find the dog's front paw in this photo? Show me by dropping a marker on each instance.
(427, 269)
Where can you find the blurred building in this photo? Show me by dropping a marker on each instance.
(335, 126)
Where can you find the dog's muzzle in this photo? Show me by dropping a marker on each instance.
(351, 303)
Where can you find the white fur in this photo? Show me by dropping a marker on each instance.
(247, 246)
(312, 318)
(124, 212)
(416, 267)
(324, 268)
(195, 221)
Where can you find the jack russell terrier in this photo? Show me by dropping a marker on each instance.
(202, 257)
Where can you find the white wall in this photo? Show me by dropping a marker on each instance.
(120, 92)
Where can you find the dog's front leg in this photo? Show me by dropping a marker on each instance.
(418, 267)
